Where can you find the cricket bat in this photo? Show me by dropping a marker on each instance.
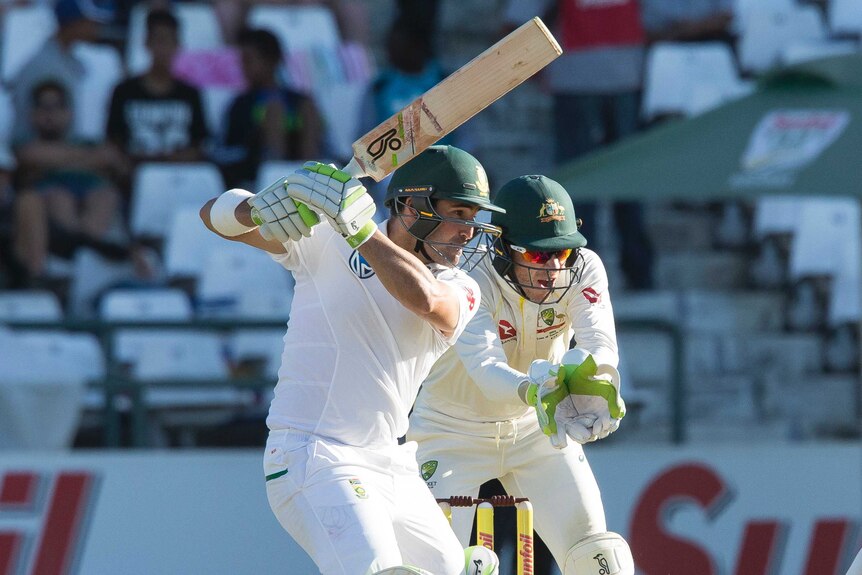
(457, 98)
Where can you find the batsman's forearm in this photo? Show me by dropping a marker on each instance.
(411, 282)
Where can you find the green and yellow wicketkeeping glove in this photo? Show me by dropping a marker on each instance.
(575, 399)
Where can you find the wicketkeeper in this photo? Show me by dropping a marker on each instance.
(370, 316)
(511, 401)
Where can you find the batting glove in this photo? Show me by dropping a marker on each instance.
(279, 216)
(341, 198)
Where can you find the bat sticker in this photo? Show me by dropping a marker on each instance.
(389, 140)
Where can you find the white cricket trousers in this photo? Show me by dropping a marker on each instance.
(357, 510)
(459, 456)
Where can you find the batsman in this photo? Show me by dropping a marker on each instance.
(373, 309)
(511, 400)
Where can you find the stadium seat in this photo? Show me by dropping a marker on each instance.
(689, 79)
(91, 275)
(199, 30)
(742, 10)
(297, 27)
(188, 245)
(845, 17)
(216, 101)
(224, 289)
(824, 237)
(768, 31)
(180, 355)
(145, 305)
(258, 345)
(103, 69)
(42, 387)
(30, 306)
(799, 52)
(23, 31)
(160, 189)
(827, 244)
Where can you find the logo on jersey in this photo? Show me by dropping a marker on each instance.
(428, 468)
(547, 315)
(507, 331)
(360, 266)
(357, 488)
(592, 295)
(471, 298)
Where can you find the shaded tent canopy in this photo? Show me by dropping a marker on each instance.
(800, 132)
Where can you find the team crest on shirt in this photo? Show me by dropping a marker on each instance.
(360, 266)
(547, 315)
(428, 468)
(357, 488)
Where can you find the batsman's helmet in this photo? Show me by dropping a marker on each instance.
(442, 173)
(539, 222)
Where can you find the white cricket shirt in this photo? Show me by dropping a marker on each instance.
(478, 379)
(354, 357)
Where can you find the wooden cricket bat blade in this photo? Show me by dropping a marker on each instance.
(456, 99)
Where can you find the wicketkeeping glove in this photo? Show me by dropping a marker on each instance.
(545, 390)
(594, 406)
(279, 216)
(341, 198)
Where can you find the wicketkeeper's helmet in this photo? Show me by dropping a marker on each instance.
(539, 222)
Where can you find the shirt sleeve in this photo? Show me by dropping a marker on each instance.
(469, 297)
(592, 313)
(482, 353)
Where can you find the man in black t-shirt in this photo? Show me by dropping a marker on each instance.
(156, 116)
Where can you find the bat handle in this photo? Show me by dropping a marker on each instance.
(354, 169)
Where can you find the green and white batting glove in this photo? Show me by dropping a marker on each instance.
(279, 216)
(341, 198)
(594, 407)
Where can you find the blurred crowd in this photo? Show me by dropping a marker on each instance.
(68, 167)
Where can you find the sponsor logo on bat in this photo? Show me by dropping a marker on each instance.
(389, 140)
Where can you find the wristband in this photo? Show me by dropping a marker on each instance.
(223, 213)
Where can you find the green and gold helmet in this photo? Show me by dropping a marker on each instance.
(539, 223)
(442, 173)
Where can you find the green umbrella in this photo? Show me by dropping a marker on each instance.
(798, 133)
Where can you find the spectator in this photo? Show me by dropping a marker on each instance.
(410, 72)
(596, 87)
(687, 20)
(77, 21)
(268, 121)
(155, 116)
(67, 197)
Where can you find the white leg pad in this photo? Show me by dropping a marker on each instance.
(604, 553)
(481, 561)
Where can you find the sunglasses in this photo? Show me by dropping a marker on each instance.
(539, 257)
